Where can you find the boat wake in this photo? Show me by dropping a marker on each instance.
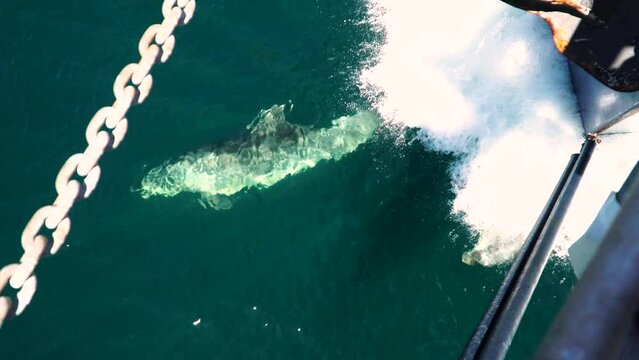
(272, 150)
(486, 82)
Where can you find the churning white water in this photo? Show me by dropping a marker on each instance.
(484, 80)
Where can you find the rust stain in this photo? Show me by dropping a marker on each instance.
(559, 35)
(572, 3)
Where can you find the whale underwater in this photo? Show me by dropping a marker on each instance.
(272, 150)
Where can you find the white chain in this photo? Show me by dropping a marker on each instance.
(105, 131)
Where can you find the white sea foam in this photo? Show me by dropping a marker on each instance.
(484, 80)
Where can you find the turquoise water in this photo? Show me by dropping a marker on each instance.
(356, 258)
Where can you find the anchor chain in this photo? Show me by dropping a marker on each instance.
(105, 132)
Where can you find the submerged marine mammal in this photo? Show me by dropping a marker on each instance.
(272, 150)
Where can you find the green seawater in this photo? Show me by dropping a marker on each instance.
(357, 257)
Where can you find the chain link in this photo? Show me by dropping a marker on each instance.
(105, 131)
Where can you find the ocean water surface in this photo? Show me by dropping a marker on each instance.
(406, 136)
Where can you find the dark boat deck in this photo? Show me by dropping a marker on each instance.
(603, 64)
(606, 53)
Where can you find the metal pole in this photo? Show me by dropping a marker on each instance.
(477, 341)
(498, 327)
(597, 319)
(507, 324)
